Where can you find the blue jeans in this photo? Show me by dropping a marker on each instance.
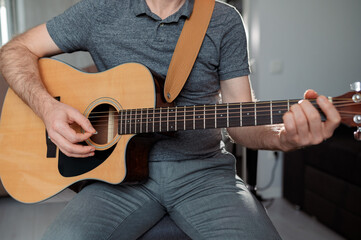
(203, 197)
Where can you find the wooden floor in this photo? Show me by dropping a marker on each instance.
(28, 222)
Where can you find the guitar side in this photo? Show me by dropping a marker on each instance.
(26, 171)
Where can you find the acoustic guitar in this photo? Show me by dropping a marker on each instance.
(125, 106)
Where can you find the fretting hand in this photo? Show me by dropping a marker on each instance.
(303, 125)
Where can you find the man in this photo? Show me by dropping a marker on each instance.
(191, 178)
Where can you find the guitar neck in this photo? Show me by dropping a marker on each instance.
(147, 120)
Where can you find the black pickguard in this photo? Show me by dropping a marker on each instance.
(71, 167)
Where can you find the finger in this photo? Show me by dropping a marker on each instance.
(63, 129)
(290, 127)
(310, 94)
(71, 149)
(332, 115)
(314, 122)
(82, 121)
(301, 123)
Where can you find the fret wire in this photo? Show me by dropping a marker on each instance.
(271, 113)
(140, 120)
(176, 118)
(215, 116)
(153, 119)
(227, 115)
(288, 105)
(255, 113)
(240, 114)
(121, 122)
(168, 119)
(173, 119)
(184, 115)
(129, 121)
(194, 117)
(135, 118)
(145, 120)
(136, 121)
(160, 119)
(126, 121)
(204, 116)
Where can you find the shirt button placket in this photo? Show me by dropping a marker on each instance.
(160, 32)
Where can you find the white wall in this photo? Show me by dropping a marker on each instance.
(296, 45)
(31, 13)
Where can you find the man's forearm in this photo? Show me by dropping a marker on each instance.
(260, 137)
(19, 66)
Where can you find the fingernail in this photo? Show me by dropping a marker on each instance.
(95, 133)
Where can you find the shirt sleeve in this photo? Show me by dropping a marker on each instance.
(233, 50)
(71, 29)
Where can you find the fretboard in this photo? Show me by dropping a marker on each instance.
(147, 120)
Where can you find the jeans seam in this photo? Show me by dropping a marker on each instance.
(119, 224)
(186, 220)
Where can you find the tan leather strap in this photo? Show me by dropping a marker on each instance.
(187, 48)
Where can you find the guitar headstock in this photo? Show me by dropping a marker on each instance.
(349, 107)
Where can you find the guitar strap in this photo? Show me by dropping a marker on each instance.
(187, 48)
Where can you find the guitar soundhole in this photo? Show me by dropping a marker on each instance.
(104, 119)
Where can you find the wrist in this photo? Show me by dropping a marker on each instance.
(278, 141)
(45, 105)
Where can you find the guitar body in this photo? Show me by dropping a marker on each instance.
(30, 164)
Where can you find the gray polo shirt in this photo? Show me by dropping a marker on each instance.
(120, 31)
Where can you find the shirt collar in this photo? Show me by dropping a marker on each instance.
(140, 7)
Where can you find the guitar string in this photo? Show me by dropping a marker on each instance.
(180, 117)
(341, 103)
(140, 112)
(244, 104)
(159, 119)
(232, 120)
(260, 102)
(201, 112)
